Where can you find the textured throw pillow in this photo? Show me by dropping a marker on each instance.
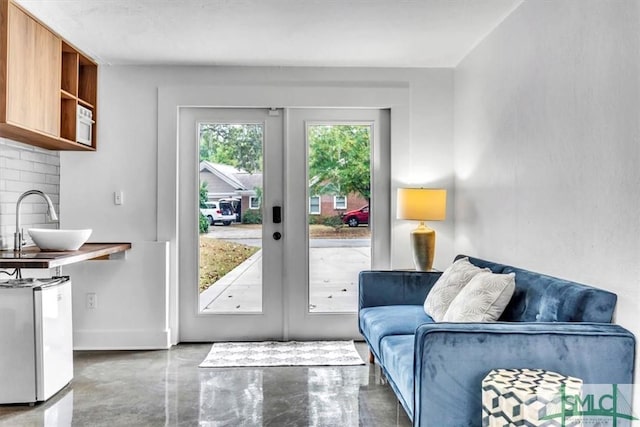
(450, 283)
(483, 299)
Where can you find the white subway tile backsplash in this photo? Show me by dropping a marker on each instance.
(7, 208)
(47, 168)
(9, 154)
(21, 165)
(15, 144)
(19, 187)
(35, 177)
(33, 157)
(10, 174)
(22, 168)
(52, 179)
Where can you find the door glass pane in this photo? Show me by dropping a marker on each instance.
(230, 226)
(339, 234)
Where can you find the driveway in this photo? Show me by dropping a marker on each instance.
(334, 265)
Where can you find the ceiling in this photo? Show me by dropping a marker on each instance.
(354, 33)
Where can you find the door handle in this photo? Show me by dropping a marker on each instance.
(277, 235)
(277, 214)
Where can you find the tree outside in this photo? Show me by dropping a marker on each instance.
(237, 145)
(339, 160)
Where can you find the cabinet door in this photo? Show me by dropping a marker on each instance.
(33, 78)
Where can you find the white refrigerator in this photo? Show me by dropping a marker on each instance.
(36, 339)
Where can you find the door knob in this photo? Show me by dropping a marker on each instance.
(277, 235)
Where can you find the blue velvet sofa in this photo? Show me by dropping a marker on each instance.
(436, 369)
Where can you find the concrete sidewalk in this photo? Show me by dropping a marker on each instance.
(333, 283)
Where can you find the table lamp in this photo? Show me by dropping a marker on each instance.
(422, 204)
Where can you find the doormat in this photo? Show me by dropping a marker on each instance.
(282, 353)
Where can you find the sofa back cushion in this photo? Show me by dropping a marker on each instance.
(483, 299)
(541, 298)
(448, 286)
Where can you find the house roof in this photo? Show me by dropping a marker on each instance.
(238, 179)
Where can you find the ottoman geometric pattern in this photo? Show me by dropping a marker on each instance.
(521, 397)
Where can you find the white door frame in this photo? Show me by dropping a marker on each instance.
(198, 326)
(393, 96)
(301, 323)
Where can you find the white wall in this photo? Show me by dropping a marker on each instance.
(127, 160)
(547, 146)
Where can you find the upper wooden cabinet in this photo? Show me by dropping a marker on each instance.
(43, 79)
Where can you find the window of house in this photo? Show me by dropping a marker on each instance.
(254, 202)
(339, 202)
(314, 205)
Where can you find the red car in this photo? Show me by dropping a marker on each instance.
(356, 217)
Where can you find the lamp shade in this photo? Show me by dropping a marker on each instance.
(422, 204)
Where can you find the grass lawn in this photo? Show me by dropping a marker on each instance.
(318, 231)
(218, 257)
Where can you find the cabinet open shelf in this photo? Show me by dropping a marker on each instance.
(66, 95)
(69, 76)
(87, 80)
(78, 86)
(86, 104)
(40, 93)
(75, 146)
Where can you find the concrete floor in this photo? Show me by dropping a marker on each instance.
(166, 388)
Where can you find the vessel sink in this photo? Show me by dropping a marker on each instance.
(59, 240)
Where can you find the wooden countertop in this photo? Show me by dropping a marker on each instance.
(32, 257)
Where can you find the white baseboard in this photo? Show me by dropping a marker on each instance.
(127, 339)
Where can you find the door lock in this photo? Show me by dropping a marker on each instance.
(277, 235)
(277, 214)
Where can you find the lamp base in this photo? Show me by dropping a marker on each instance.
(423, 241)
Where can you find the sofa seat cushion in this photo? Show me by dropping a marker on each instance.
(379, 322)
(397, 352)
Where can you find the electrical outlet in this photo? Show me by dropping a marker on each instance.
(92, 300)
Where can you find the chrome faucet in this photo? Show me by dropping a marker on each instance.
(18, 235)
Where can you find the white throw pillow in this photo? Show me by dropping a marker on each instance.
(450, 283)
(483, 299)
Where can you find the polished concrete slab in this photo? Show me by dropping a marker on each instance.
(166, 388)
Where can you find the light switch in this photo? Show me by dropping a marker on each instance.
(118, 197)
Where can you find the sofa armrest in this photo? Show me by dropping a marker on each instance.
(451, 359)
(377, 288)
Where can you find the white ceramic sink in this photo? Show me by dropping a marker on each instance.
(59, 240)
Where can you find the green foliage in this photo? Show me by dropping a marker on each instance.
(204, 224)
(339, 160)
(238, 145)
(204, 195)
(252, 217)
(331, 221)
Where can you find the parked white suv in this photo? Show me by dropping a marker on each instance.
(218, 212)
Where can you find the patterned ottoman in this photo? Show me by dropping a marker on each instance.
(521, 397)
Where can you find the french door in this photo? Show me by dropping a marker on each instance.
(286, 266)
